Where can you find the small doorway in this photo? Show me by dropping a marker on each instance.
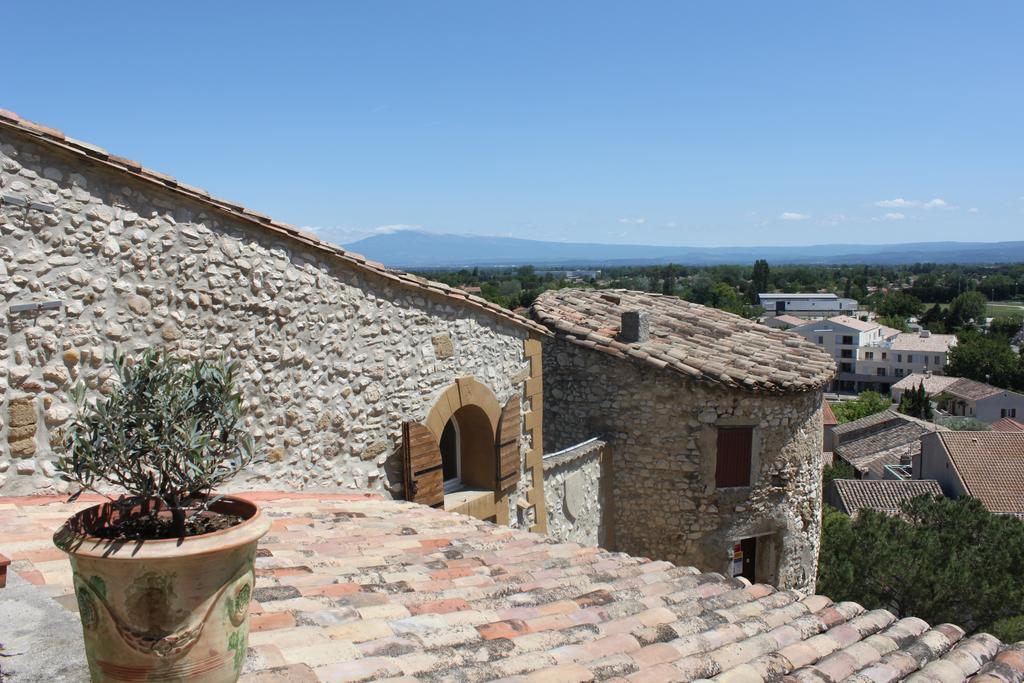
(744, 559)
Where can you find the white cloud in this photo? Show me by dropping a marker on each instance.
(833, 220)
(973, 209)
(671, 224)
(636, 220)
(793, 216)
(895, 216)
(901, 203)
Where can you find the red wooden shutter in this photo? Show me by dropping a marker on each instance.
(733, 463)
(422, 475)
(507, 448)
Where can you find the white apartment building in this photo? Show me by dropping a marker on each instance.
(805, 305)
(870, 356)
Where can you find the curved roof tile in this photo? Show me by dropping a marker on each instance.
(703, 343)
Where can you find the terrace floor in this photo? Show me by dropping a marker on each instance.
(354, 587)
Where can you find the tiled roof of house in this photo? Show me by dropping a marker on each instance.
(100, 156)
(853, 323)
(885, 496)
(933, 384)
(933, 343)
(790, 320)
(971, 390)
(699, 342)
(991, 466)
(828, 418)
(885, 438)
(353, 588)
(1007, 424)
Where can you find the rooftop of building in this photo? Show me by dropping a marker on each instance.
(791, 320)
(1007, 424)
(991, 467)
(972, 390)
(797, 295)
(698, 342)
(828, 418)
(885, 438)
(93, 154)
(923, 341)
(354, 587)
(933, 384)
(886, 496)
(844, 320)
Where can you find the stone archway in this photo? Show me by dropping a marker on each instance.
(475, 411)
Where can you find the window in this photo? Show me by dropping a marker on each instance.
(880, 372)
(1007, 412)
(910, 358)
(899, 357)
(732, 467)
(821, 340)
(869, 355)
(884, 354)
(898, 372)
(938, 361)
(846, 353)
(846, 367)
(451, 462)
(847, 339)
(926, 360)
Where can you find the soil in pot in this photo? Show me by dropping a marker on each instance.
(158, 525)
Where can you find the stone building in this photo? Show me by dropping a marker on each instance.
(712, 427)
(355, 375)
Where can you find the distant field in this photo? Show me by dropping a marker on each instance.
(1000, 308)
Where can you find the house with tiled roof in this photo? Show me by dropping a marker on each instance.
(968, 398)
(933, 384)
(355, 587)
(881, 446)
(1007, 425)
(988, 466)
(711, 422)
(881, 495)
(784, 321)
(356, 375)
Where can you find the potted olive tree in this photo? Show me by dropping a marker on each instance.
(163, 573)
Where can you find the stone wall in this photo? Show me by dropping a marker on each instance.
(334, 359)
(661, 434)
(574, 495)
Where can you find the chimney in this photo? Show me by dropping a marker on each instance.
(636, 327)
(924, 333)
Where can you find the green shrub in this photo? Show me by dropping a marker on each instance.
(171, 430)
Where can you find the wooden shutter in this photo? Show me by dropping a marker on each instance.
(733, 462)
(507, 448)
(422, 474)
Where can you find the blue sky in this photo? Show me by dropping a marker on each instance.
(677, 123)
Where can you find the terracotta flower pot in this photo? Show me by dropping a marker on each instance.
(164, 610)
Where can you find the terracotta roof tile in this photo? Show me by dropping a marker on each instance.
(991, 466)
(100, 156)
(697, 341)
(885, 496)
(971, 390)
(1007, 424)
(358, 587)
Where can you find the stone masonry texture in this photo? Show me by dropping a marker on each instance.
(660, 430)
(333, 359)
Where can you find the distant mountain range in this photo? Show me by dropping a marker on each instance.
(415, 249)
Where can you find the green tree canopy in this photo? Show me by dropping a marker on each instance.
(866, 403)
(916, 402)
(899, 304)
(987, 359)
(944, 560)
(964, 309)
